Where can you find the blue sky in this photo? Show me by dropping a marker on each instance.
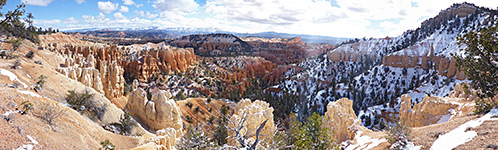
(339, 18)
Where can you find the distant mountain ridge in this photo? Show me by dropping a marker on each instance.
(172, 33)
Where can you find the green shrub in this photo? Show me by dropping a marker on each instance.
(180, 95)
(107, 145)
(127, 123)
(26, 106)
(398, 135)
(220, 134)
(483, 105)
(83, 102)
(40, 83)
(196, 139)
(310, 134)
(30, 54)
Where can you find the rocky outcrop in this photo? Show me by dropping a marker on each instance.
(353, 52)
(464, 91)
(167, 59)
(158, 113)
(103, 76)
(419, 55)
(113, 80)
(255, 113)
(279, 50)
(213, 44)
(432, 110)
(341, 120)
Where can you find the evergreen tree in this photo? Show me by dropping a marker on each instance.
(480, 60)
(13, 23)
(310, 134)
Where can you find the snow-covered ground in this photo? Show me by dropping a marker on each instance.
(460, 135)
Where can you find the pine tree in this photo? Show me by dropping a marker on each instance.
(480, 62)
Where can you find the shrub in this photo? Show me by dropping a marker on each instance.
(107, 145)
(38, 62)
(188, 118)
(483, 105)
(195, 138)
(211, 119)
(311, 134)
(16, 64)
(26, 106)
(220, 134)
(40, 83)
(189, 105)
(16, 43)
(127, 123)
(84, 103)
(30, 54)
(398, 135)
(49, 113)
(180, 95)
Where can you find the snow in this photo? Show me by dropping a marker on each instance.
(12, 76)
(411, 146)
(459, 135)
(364, 142)
(29, 93)
(29, 146)
(445, 118)
(9, 112)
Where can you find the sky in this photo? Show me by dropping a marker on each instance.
(336, 18)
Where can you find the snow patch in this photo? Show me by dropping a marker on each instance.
(29, 146)
(12, 76)
(9, 112)
(364, 142)
(459, 135)
(29, 93)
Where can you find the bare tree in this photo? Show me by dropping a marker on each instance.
(49, 113)
(241, 132)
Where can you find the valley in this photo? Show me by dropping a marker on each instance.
(202, 89)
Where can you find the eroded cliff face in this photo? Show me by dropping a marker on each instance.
(345, 128)
(341, 120)
(104, 73)
(160, 112)
(166, 59)
(102, 67)
(433, 110)
(421, 55)
(255, 113)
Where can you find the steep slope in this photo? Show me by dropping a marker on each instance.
(376, 72)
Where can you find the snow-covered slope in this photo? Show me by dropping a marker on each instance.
(353, 70)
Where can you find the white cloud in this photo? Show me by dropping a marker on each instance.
(146, 14)
(107, 7)
(179, 6)
(80, 1)
(128, 2)
(37, 2)
(123, 9)
(71, 20)
(358, 18)
(121, 18)
(350, 19)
